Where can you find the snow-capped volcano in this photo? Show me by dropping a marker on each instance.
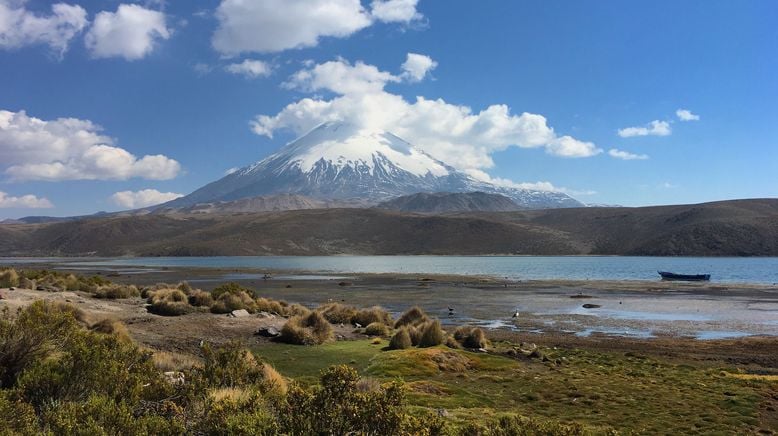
(337, 160)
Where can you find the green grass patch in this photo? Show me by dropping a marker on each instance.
(598, 389)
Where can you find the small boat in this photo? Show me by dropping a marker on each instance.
(684, 277)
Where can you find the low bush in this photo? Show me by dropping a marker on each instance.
(401, 339)
(414, 316)
(169, 302)
(377, 329)
(226, 302)
(312, 329)
(9, 278)
(432, 334)
(374, 314)
(231, 288)
(270, 306)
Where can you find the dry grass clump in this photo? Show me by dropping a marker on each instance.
(371, 315)
(26, 283)
(273, 380)
(471, 337)
(169, 302)
(414, 316)
(115, 291)
(270, 306)
(227, 302)
(296, 310)
(166, 361)
(432, 334)
(452, 343)
(401, 339)
(114, 327)
(415, 334)
(185, 287)
(312, 329)
(338, 313)
(200, 298)
(377, 329)
(9, 278)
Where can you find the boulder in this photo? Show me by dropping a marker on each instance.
(265, 315)
(240, 313)
(268, 332)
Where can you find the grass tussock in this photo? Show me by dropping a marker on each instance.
(312, 329)
(9, 278)
(169, 302)
(273, 380)
(116, 291)
(432, 334)
(373, 314)
(200, 298)
(338, 313)
(296, 310)
(113, 327)
(227, 302)
(414, 316)
(166, 361)
(401, 339)
(271, 306)
(377, 329)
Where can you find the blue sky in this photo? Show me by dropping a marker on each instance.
(156, 78)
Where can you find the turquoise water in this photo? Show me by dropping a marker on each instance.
(725, 270)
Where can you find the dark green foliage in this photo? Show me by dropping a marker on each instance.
(513, 425)
(228, 367)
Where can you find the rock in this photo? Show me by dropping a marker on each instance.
(68, 300)
(443, 413)
(265, 315)
(591, 306)
(175, 377)
(344, 284)
(268, 332)
(357, 325)
(340, 337)
(11, 288)
(240, 313)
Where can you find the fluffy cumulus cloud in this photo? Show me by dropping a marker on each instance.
(625, 155)
(455, 134)
(142, 198)
(24, 202)
(250, 68)
(686, 115)
(395, 11)
(268, 26)
(131, 32)
(20, 27)
(416, 66)
(71, 149)
(654, 128)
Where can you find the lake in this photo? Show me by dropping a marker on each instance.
(726, 270)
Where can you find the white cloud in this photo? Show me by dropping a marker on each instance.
(25, 201)
(686, 115)
(20, 27)
(131, 32)
(250, 68)
(625, 155)
(416, 67)
(267, 26)
(654, 128)
(395, 11)
(142, 198)
(71, 149)
(452, 133)
(230, 171)
(533, 186)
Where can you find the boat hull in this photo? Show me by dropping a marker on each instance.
(684, 277)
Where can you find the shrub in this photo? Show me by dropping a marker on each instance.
(227, 302)
(414, 316)
(338, 313)
(18, 417)
(239, 412)
(37, 331)
(311, 329)
(169, 302)
(401, 340)
(432, 334)
(374, 314)
(377, 329)
(9, 278)
(200, 298)
(233, 366)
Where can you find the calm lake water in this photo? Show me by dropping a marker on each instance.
(726, 270)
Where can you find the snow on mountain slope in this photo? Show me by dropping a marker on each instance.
(336, 160)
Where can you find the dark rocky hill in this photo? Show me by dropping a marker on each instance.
(441, 202)
(728, 228)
